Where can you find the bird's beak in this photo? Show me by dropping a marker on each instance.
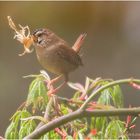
(34, 38)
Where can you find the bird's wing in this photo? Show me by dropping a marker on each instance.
(69, 55)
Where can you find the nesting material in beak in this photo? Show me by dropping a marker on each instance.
(20, 35)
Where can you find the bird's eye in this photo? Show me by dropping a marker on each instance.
(39, 40)
(39, 34)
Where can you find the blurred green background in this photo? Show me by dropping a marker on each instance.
(111, 49)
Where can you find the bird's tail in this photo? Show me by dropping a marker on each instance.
(77, 45)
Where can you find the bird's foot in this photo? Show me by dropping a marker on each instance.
(53, 91)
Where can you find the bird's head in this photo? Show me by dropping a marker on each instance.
(41, 37)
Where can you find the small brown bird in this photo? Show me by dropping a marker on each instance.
(55, 55)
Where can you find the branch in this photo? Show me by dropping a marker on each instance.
(99, 90)
(80, 114)
(47, 112)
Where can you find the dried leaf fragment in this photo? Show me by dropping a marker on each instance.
(21, 36)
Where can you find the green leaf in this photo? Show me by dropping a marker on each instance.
(87, 83)
(53, 135)
(100, 123)
(64, 109)
(134, 120)
(69, 137)
(115, 130)
(105, 97)
(26, 129)
(11, 132)
(19, 128)
(45, 137)
(37, 96)
(117, 96)
(23, 132)
(26, 126)
(81, 137)
(76, 95)
(25, 114)
(15, 115)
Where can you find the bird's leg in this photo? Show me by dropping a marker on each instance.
(50, 83)
(77, 45)
(52, 90)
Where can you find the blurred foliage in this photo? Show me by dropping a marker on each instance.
(25, 119)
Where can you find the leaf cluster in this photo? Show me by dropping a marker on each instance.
(40, 108)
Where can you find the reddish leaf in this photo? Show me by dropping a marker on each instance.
(87, 138)
(133, 126)
(77, 86)
(74, 135)
(93, 132)
(134, 85)
(1, 138)
(61, 133)
(128, 120)
(83, 97)
(90, 109)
